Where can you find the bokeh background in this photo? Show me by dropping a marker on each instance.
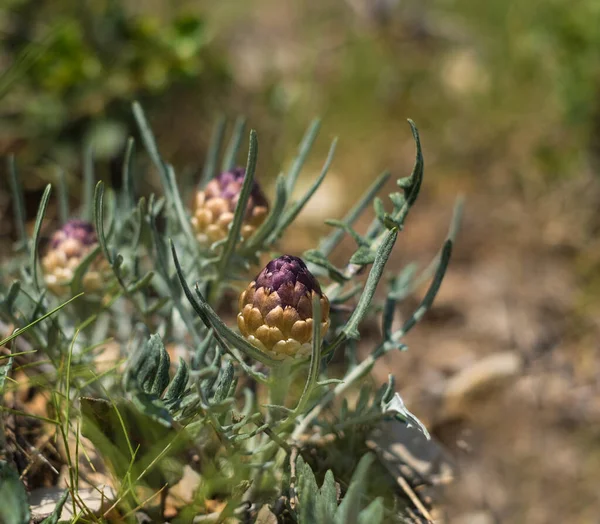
(506, 94)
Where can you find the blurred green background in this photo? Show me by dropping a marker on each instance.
(506, 95)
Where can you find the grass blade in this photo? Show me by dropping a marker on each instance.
(31, 324)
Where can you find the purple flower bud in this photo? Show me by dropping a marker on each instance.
(79, 230)
(276, 313)
(67, 248)
(214, 207)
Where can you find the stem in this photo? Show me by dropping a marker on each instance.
(356, 374)
(279, 384)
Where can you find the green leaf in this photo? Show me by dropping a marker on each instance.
(308, 492)
(303, 151)
(360, 241)
(429, 297)
(99, 220)
(214, 149)
(161, 379)
(63, 196)
(179, 383)
(233, 148)
(87, 197)
(383, 253)
(54, 517)
(81, 270)
(240, 208)
(269, 225)
(221, 332)
(363, 399)
(290, 215)
(316, 257)
(363, 256)
(349, 509)
(11, 296)
(4, 371)
(412, 184)
(15, 507)
(327, 245)
(31, 324)
(379, 208)
(184, 219)
(36, 234)
(127, 174)
(315, 356)
(373, 513)
(224, 383)
(150, 144)
(398, 199)
(327, 502)
(148, 368)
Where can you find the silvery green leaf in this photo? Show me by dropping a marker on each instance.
(398, 409)
(235, 142)
(373, 513)
(152, 407)
(398, 199)
(178, 385)
(4, 371)
(348, 511)
(15, 507)
(214, 149)
(54, 517)
(379, 208)
(294, 210)
(308, 491)
(363, 256)
(235, 227)
(327, 502)
(224, 382)
(161, 378)
(363, 398)
(303, 149)
(18, 201)
(327, 245)
(316, 257)
(383, 253)
(35, 239)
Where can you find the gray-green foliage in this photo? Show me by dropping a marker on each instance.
(239, 411)
(321, 504)
(15, 507)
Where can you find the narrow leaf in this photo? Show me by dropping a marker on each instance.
(240, 208)
(303, 150)
(87, 198)
(233, 148)
(329, 243)
(214, 149)
(36, 234)
(349, 509)
(18, 201)
(15, 507)
(297, 207)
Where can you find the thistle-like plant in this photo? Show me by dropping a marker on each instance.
(252, 401)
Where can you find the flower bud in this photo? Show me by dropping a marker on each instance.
(68, 247)
(214, 207)
(276, 313)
